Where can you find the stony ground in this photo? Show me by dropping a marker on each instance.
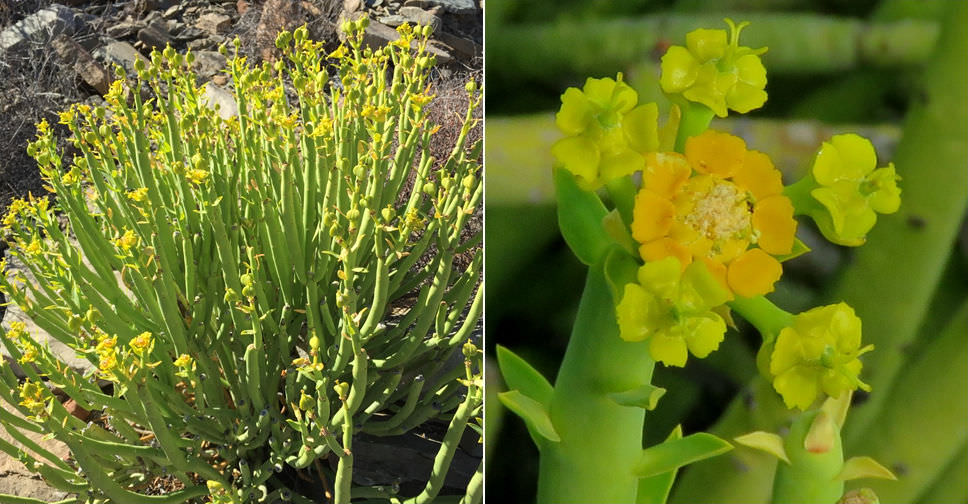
(55, 54)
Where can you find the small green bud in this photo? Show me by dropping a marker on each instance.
(119, 71)
(305, 401)
(283, 39)
(426, 31)
(469, 349)
(423, 62)
(314, 342)
(189, 57)
(246, 279)
(237, 43)
(248, 291)
(387, 214)
(168, 53)
(359, 171)
(92, 316)
(301, 34)
(74, 324)
(468, 182)
(224, 51)
(299, 82)
(334, 229)
(364, 22)
(139, 65)
(353, 214)
(231, 296)
(90, 137)
(429, 188)
(342, 388)
(446, 182)
(104, 130)
(370, 90)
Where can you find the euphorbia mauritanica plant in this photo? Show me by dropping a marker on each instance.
(696, 229)
(232, 280)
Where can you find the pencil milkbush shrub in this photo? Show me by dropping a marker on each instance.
(232, 278)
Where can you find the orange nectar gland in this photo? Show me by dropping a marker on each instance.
(718, 203)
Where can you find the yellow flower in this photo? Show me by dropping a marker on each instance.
(672, 309)
(33, 396)
(818, 353)
(850, 189)
(138, 194)
(718, 74)
(607, 132)
(141, 343)
(197, 175)
(183, 361)
(126, 241)
(713, 204)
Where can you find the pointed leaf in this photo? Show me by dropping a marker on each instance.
(580, 215)
(822, 434)
(532, 412)
(655, 489)
(620, 269)
(799, 248)
(864, 467)
(764, 441)
(646, 396)
(616, 228)
(519, 375)
(677, 453)
(837, 407)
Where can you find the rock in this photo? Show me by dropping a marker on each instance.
(152, 37)
(214, 23)
(392, 20)
(241, 6)
(460, 7)
(89, 70)
(124, 29)
(189, 33)
(311, 9)
(277, 15)
(220, 100)
(351, 6)
(173, 11)
(416, 15)
(208, 63)
(75, 409)
(220, 79)
(41, 26)
(119, 53)
(15, 479)
(464, 48)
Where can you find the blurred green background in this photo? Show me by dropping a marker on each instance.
(874, 67)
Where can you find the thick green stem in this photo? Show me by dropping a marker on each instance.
(600, 440)
(695, 120)
(767, 317)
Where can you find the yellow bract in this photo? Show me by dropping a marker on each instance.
(718, 203)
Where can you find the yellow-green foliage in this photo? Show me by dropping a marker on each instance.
(232, 277)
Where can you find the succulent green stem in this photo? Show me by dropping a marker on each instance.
(600, 440)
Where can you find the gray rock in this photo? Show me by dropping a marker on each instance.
(462, 47)
(90, 71)
(124, 29)
(119, 53)
(173, 11)
(214, 23)
(189, 33)
(416, 15)
(152, 37)
(462, 7)
(392, 20)
(220, 100)
(208, 63)
(41, 26)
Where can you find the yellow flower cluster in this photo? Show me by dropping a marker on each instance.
(720, 204)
